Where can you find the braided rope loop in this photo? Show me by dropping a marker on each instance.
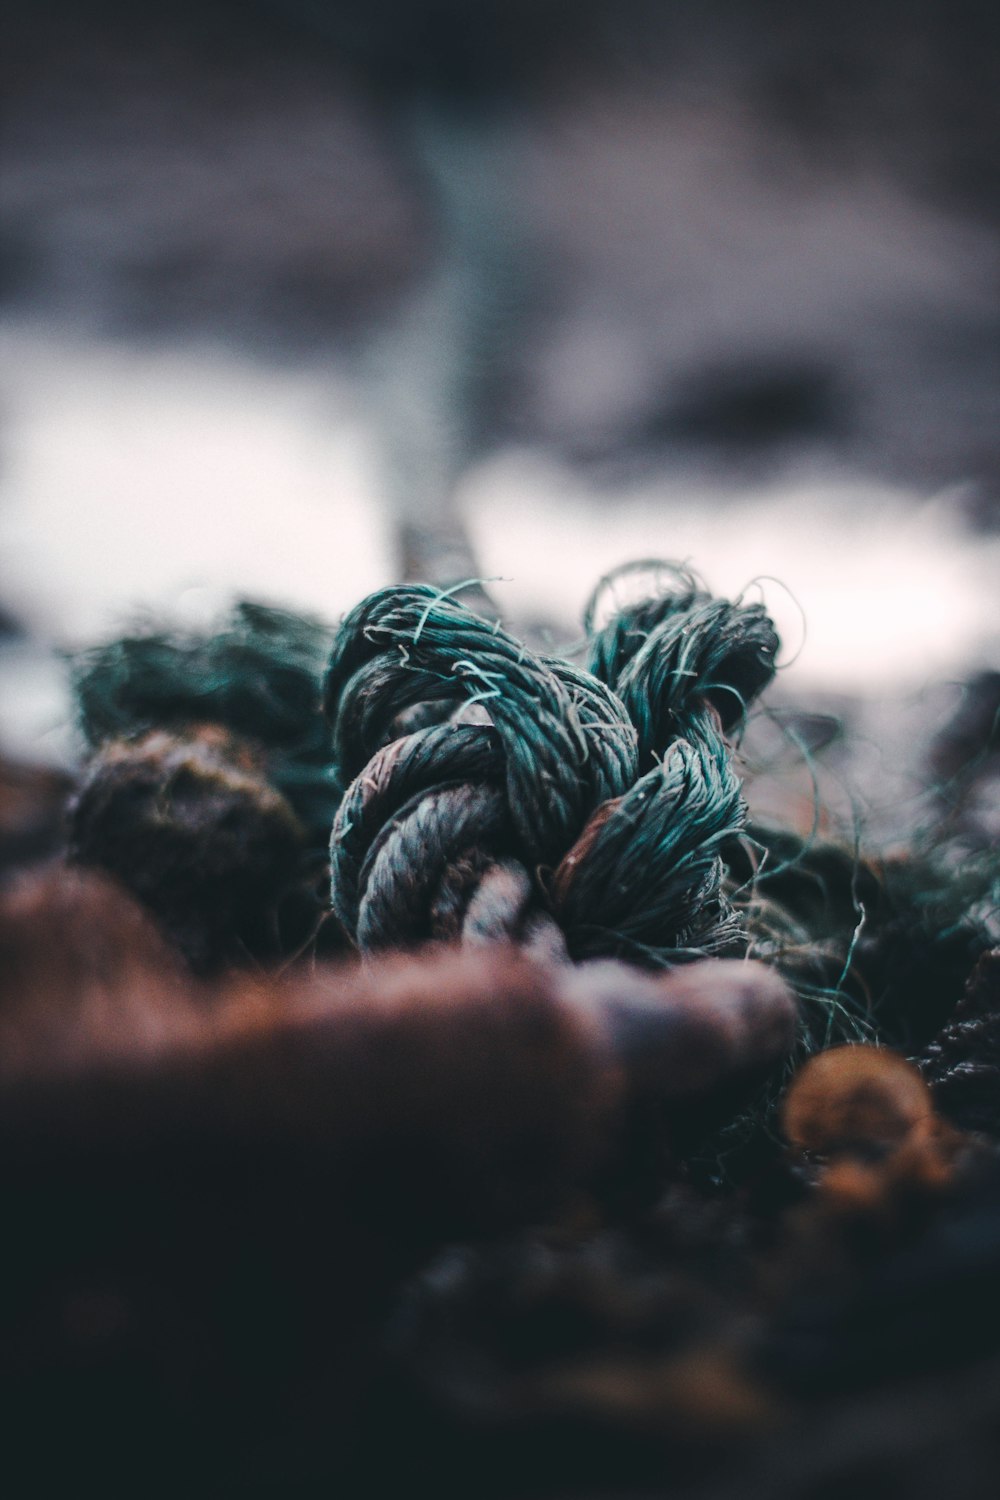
(670, 657)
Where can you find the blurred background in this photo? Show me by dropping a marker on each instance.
(299, 295)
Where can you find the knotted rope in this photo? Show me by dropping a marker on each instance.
(594, 800)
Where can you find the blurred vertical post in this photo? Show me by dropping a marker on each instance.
(445, 75)
(439, 368)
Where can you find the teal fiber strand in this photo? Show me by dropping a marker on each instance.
(404, 646)
(655, 865)
(417, 764)
(438, 830)
(563, 755)
(672, 656)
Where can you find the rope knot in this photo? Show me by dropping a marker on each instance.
(596, 798)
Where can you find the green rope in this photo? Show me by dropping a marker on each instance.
(618, 789)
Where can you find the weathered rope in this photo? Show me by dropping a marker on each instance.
(599, 798)
(211, 786)
(257, 677)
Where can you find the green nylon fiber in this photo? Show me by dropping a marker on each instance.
(410, 767)
(439, 829)
(566, 744)
(670, 656)
(654, 866)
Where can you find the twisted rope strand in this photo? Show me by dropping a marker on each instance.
(604, 795)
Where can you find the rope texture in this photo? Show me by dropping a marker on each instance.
(597, 799)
